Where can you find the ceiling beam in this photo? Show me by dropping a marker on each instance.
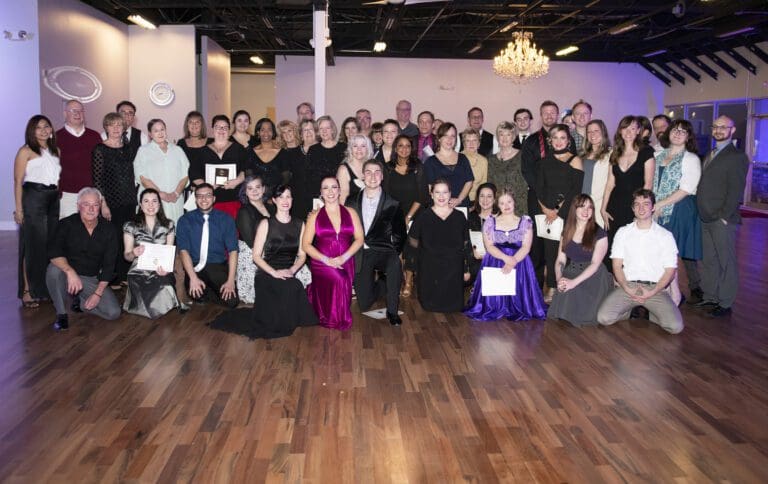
(721, 63)
(758, 52)
(684, 67)
(670, 71)
(741, 60)
(656, 73)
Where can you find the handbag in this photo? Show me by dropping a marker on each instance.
(551, 231)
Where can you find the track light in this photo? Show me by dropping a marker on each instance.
(568, 50)
(379, 46)
(474, 49)
(620, 29)
(142, 22)
(257, 60)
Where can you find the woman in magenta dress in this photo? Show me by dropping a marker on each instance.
(331, 250)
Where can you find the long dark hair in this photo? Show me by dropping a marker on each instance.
(492, 188)
(605, 142)
(589, 238)
(31, 140)
(141, 218)
(618, 142)
(261, 122)
(690, 143)
(414, 164)
(342, 134)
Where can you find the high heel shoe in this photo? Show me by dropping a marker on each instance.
(407, 289)
(548, 295)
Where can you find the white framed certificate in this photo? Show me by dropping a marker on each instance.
(157, 255)
(476, 239)
(496, 283)
(463, 210)
(220, 174)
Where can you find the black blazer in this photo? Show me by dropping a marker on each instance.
(387, 232)
(721, 186)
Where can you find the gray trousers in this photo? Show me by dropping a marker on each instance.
(661, 309)
(56, 280)
(720, 272)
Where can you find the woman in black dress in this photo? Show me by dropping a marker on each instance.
(350, 173)
(349, 128)
(324, 157)
(195, 141)
(220, 153)
(405, 184)
(632, 167)
(561, 175)
(442, 237)
(389, 132)
(253, 211)
(283, 304)
(298, 164)
(484, 207)
(242, 123)
(268, 159)
(113, 175)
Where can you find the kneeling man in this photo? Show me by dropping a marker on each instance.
(644, 257)
(83, 252)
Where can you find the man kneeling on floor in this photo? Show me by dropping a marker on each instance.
(644, 257)
(83, 251)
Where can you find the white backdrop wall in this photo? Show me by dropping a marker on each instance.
(20, 93)
(167, 55)
(215, 79)
(255, 93)
(450, 87)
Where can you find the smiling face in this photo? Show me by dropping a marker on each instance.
(195, 127)
(388, 134)
(559, 139)
(372, 176)
(475, 119)
(585, 211)
(629, 133)
(581, 115)
(74, 114)
(359, 150)
(157, 133)
(89, 207)
(548, 116)
(254, 190)
(266, 133)
(242, 123)
(471, 143)
(150, 204)
(594, 134)
(403, 111)
(642, 208)
(305, 112)
(308, 135)
(364, 120)
(284, 201)
(425, 123)
(128, 114)
(221, 130)
(523, 122)
(288, 135)
(403, 148)
(115, 129)
(485, 198)
(350, 129)
(723, 129)
(204, 199)
(43, 132)
(441, 194)
(505, 138)
(326, 130)
(506, 204)
(448, 140)
(678, 136)
(659, 126)
(329, 190)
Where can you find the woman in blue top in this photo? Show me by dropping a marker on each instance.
(449, 165)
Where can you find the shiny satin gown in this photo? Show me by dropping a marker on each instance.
(331, 290)
(528, 303)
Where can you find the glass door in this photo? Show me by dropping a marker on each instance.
(757, 180)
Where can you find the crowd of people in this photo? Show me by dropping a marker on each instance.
(292, 221)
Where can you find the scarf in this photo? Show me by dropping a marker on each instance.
(666, 181)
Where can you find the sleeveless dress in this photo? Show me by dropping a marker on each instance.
(355, 184)
(149, 294)
(620, 203)
(528, 303)
(331, 290)
(579, 305)
(282, 303)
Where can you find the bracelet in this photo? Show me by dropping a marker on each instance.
(97, 293)
(325, 259)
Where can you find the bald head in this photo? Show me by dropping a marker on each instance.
(723, 129)
(74, 114)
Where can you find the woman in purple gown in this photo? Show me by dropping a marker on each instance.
(331, 250)
(507, 239)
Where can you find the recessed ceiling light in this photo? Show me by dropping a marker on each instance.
(379, 46)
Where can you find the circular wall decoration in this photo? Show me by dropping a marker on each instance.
(72, 82)
(161, 94)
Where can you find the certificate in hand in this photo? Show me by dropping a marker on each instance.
(496, 283)
(476, 239)
(157, 255)
(220, 174)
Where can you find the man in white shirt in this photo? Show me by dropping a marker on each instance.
(523, 118)
(644, 257)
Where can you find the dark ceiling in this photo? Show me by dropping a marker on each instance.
(684, 29)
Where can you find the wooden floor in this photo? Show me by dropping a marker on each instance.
(441, 399)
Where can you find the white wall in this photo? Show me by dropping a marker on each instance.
(255, 93)
(215, 82)
(450, 87)
(75, 34)
(163, 55)
(744, 85)
(20, 93)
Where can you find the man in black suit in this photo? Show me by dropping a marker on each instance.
(384, 226)
(523, 118)
(718, 196)
(535, 148)
(488, 143)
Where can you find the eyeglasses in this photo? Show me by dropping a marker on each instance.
(716, 127)
(678, 131)
(221, 128)
(203, 196)
(76, 111)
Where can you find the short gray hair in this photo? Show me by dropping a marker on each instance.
(89, 191)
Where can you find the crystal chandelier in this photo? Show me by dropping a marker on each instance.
(520, 61)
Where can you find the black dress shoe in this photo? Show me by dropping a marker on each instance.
(76, 305)
(394, 319)
(697, 296)
(183, 308)
(706, 305)
(720, 312)
(61, 323)
(638, 312)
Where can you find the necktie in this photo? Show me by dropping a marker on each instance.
(125, 138)
(523, 139)
(711, 157)
(203, 245)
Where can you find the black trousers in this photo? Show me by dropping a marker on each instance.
(214, 276)
(537, 252)
(120, 215)
(41, 214)
(368, 289)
